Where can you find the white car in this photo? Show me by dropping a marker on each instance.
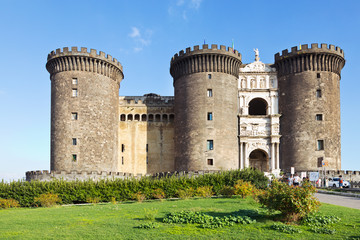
(334, 182)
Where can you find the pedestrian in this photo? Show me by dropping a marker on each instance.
(296, 180)
(341, 181)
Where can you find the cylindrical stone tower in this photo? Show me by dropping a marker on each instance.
(309, 101)
(84, 110)
(206, 123)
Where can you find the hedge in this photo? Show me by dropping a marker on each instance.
(78, 191)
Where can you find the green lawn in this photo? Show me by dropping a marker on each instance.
(119, 221)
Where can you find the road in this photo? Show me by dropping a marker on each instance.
(345, 201)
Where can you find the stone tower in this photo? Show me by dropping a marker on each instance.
(309, 101)
(84, 110)
(206, 108)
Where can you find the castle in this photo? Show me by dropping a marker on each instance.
(224, 114)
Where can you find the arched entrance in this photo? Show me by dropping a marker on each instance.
(259, 159)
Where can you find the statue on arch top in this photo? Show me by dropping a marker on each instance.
(257, 58)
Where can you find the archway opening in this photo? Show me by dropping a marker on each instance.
(259, 159)
(257, 106)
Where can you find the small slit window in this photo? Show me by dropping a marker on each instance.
(74, 141)
(318, 75)
(320, 144)
(75, 81)
(209, 116)
(122, 147)
(319, 117)
(122, 160)
(74, 116)
(210, 144)
(210, 162)
(318, 93)
(209, 93)
(209, 76)
(147, 147)
(74, 92)
(74, 157)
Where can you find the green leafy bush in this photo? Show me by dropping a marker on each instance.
(123, 189)
(149, 225)
(92, 200)
(205, 191)
(323, 230)
(186, 193)
(47, 199)
(294, 203)
(285, 228)
(150, 214)
(320, 220)
(244, 189)
(158, 194)
(139, 197)
(206, 221)
(9, 203)
(227, 191)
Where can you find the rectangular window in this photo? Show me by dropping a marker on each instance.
(320, 144)
(74, 116)
(74, 158)
(122, 147)
(74, 141)
(210, 144)
(210, 162)
(209, 76)
(320, 162)
(318, 93)
(209, 93)
(319, 117)
(75, 81)
(209, 116)
(318, 75)
(147, 147)
(74, 92)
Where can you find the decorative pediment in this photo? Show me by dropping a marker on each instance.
(257, 66)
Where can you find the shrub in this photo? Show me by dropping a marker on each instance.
(47, 199)
(92, 200)
(227, 191)
(158, 194)
(205, 191)
(113, 200)
(285, 228)
(185, 194)
(150, 213)
(320, 220)
(323, 230)
(244, 189)
(139, 197)
(294, 203)
(9, 203)
(148, 225)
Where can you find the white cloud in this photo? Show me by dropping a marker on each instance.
(195, 4)
(141, 39)
(135, 32)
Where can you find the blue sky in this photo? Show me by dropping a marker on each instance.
(143, 36)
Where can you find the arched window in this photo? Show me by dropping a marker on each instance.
(137, 117)
(165, 117)
(143, 117)
(130, 117)
(122, 117)
(157, 117)
(151, 118)
(257, 106)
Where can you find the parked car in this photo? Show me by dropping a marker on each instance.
(334, 182)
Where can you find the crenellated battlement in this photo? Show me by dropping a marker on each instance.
(214, 59)
(324, 58)
(314, 48)
(156, 101)
(205, 49)
(75, 60)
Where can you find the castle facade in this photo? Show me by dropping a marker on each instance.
(224, 114)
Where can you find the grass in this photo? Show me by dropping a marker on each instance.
(119, 221)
